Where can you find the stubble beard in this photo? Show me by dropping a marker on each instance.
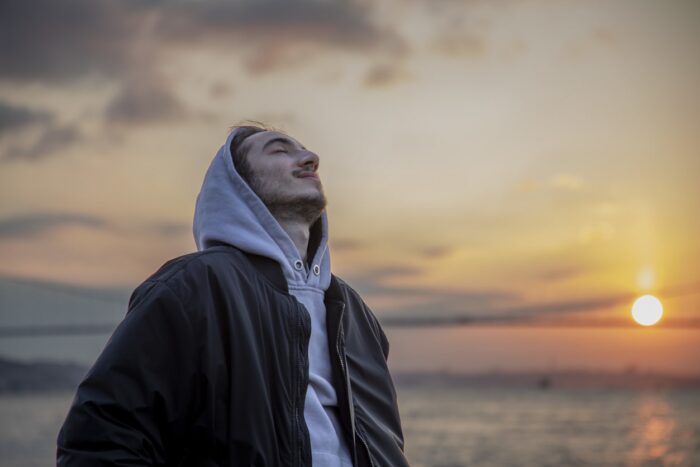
(303, 208)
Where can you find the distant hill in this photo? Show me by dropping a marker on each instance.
(552, 380)
(51, 376)
(40, 376)
(28, 305)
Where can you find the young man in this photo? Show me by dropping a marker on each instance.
(248, 352)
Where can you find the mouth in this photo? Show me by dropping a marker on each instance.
(307, 174)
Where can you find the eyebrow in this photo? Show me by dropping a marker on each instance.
(280, 139)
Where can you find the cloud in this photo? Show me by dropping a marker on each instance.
(147, 99)
(344, 24)
(15, 117)
(485, 309)
(456, 313)
(31, 225)
(459, 44)
(422, 300)
(434, 306)
(388, 272)
(567, 182)
(51, 41)
(385, 74)
(559, 274)
(436, 252)
(170, 229)
(277, 34)
(220, 89)
(128, 43)
(53, 139)
(39, 223)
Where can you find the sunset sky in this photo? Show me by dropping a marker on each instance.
(498, 161)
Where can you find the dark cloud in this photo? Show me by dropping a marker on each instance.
(50, 41)
(450, 310)
(338, 23)
(428, 299)
(55, 42)
(570, 306)
(46, 40)
(30, 225)
(434, 252)
(54, 138)
(446, 311)
(459, 28)
(559, 274)
(434, 306)
(145, 100)
(170, 229)
(277, 34)
(34, 224)
(15, 117)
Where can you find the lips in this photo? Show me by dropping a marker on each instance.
(307, 175)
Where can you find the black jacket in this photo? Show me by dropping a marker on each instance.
(209, 368)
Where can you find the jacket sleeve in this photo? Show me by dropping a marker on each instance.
(132, 408)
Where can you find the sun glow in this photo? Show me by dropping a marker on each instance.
(647, 310)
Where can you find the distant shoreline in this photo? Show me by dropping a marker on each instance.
(547, 380)
(46, 376)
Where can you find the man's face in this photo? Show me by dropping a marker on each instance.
(283, 173)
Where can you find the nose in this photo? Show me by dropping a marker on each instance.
(309, 160)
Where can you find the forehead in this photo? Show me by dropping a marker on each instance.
(258, 140)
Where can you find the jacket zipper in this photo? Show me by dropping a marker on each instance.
(340, 337)
(345, 376)
(338, 352)
(299, 393)
(369, 455)
(297, 430)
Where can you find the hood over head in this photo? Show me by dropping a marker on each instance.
(229, 211)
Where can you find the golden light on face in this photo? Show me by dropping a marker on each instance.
(647, 310)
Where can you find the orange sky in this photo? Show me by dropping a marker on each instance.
(482, 159)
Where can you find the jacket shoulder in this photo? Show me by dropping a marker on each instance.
(211, 257)
(184, 272)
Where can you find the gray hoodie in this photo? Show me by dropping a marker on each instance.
(229, 211)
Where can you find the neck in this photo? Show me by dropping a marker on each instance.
(298, 231)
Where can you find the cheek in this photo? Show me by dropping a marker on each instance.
(269, 168)
(274, 177)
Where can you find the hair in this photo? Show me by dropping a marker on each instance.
(239, 151)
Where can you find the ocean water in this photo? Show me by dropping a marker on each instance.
(457, 426)
(449, 426)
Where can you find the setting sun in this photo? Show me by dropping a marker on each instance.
(647, 310)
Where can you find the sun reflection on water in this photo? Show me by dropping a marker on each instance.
(652, 434)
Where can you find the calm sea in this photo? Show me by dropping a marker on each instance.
(450, 426)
